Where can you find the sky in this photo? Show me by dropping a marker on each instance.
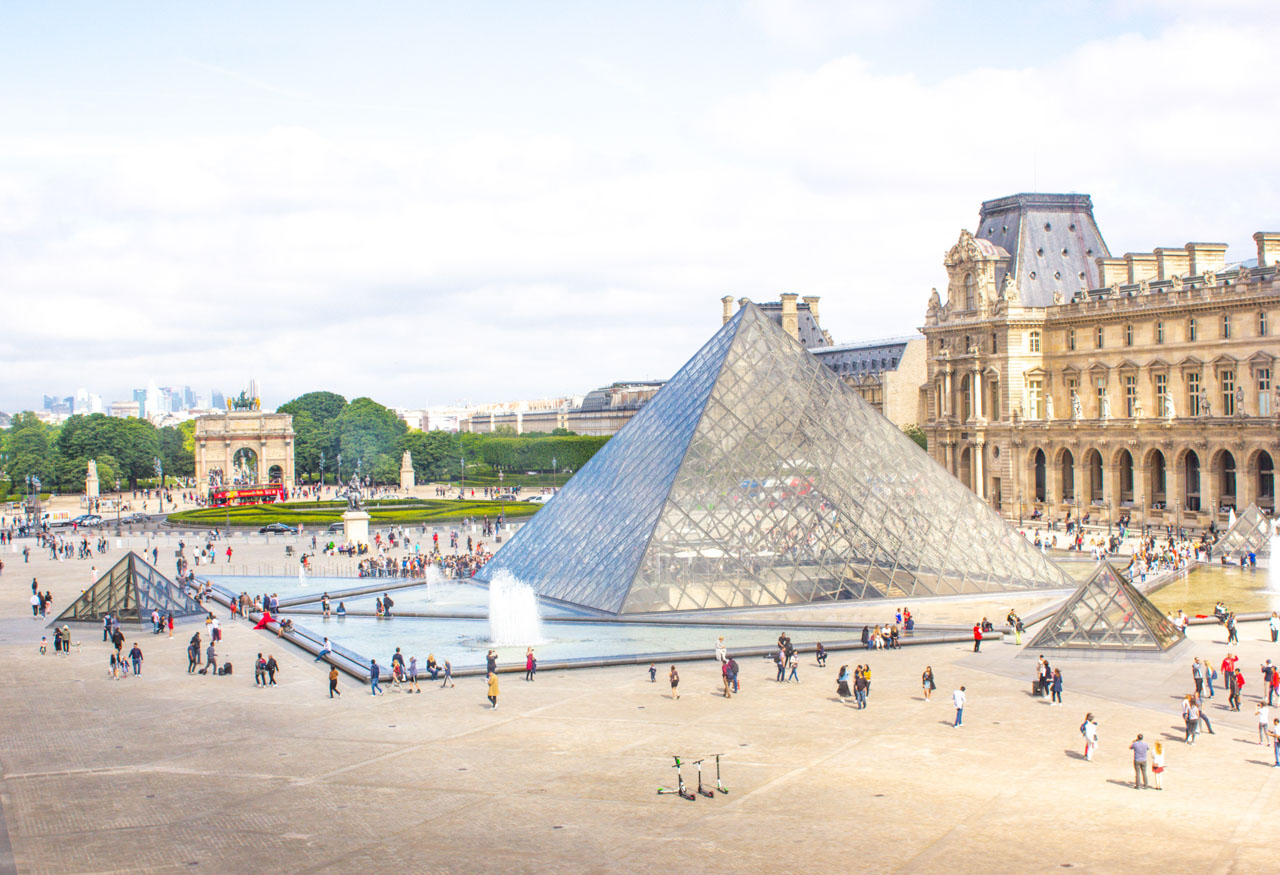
(430, 203)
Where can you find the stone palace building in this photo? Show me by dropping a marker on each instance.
(1065, 382)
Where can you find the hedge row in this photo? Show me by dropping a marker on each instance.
(289, 514)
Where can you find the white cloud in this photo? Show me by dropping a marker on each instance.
(818, 22)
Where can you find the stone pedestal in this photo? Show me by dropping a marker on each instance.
(355, 527)
(407, 480)
(91, 481)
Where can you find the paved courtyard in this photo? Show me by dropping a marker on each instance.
(171, 772)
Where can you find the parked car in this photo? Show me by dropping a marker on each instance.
(277, 529)
(135, 517)
(90, 520)
(506, 496)
(540, 499)
(337, 527)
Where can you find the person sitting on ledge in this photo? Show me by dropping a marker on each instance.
(342, 609)
(432, 668)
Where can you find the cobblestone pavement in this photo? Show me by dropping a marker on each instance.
(171, 772)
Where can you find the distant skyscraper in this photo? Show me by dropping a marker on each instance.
(155, 403)
(49, 401)
(219, 401)
(188, 398)
(140, 396)
(253, 388)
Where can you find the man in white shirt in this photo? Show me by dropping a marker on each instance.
(958, 698)
(1264, 718)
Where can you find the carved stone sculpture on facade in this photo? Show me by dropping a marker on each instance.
(1104, 406)
(1137, 407)
(1167, 402)
(1206, 409)
(1048, 406)
(1076, 407)
(1240, 401)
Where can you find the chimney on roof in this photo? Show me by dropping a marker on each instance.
(790, 315)
(727, 303)
(812, 301)
(1140, 266)
(1268, 248)
(742, 302)
(1207, 256)
(1172, 262)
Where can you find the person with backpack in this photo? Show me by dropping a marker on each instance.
(1089, 729)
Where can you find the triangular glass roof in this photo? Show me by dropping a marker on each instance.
(1107, 613)
(130, 591)
(756, 477)
(1250, 534)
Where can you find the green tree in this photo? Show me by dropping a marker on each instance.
(367, 430)
(315, 416)
(435, 454)
(30, 451)
(178, 460)
(916, 433)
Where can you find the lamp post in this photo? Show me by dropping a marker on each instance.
(1108, 498)
(502, 501)
(462, 466)
(553, 474)
(118, 502)
(322, 470)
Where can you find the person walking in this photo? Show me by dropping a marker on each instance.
(448, 675)
(1089, 729)
(958, 699)
(1055, 687)
(170, 621)
(193, 657)
(1275, 738)
(724, 677)
(375, 673)
(1204, 715)
(1275, 627)
(1140, 750)
(1263, 713)
(674, 677)
(977, 637)
(259, 671)
(493, 690)
(211, 660)
(842, 684)
(793, 662)
(1191, 715)
(135, 656)
(733, 672)
(860, 687)
(272, 668)
(1157, 763)
(333, 682)
(530, 664)
(1197, 675)
(927, 684)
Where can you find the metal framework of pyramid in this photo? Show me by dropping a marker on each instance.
(1250, 534)
(130, 591)
(1107, 613)
(756, 477)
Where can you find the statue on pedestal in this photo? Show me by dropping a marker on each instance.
(353, 494)
(1166, 401)
(407, 479)
(1076, 407)
(1240, 401)
(1048, 406)
(1104, 406)
(1137, 407)
(1206, 408)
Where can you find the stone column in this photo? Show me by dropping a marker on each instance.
(947, 401)
(1051, 486)
(951, 456)
(975, 393)
(979, 486)
(1142, 488)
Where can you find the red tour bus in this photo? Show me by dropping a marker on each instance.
(223, 496)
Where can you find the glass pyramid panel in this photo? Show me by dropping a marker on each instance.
(756, 477)
(1107, 613)
(1250, 534)
(131, 590)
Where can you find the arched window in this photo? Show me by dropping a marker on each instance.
(970, 292)
(1033, 341)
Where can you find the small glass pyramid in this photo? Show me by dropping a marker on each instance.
(756, 477)
(1250, 534)
(130, 591)
(1107, 613)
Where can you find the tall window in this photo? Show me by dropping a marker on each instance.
(1130, 395)
(1035, 393)
(1264, 391)
(1098, 337)
(1262, 323)
(1033, 341)
(1191, 329)
(1226, 326)
(1193, 393)
(1100, 388)
(1071, 339)
(1162, 386)
(1160, 332)
(1128, 335)
(1227, 380)
(995, 347)
(970, 292)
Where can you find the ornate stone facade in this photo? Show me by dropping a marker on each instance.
(1153, 395)
(268, 436)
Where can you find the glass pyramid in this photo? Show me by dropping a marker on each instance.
(1107, 613)
(130, 591)
(1250, 534)
(756, 477)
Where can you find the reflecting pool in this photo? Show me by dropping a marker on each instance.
(1244, 591)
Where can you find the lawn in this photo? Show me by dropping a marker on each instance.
(407, 512)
